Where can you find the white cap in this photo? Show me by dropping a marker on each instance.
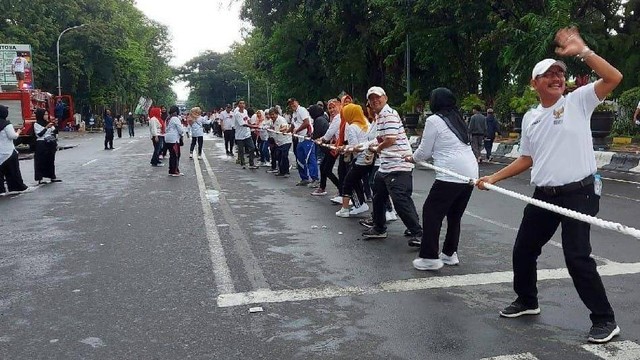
(376, 90)
(544, 65)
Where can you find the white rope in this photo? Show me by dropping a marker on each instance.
(605, 224)
(623, 229)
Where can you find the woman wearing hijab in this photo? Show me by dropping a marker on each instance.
(9, 166)
(172, 140)
(445, 139)
(46, 146)
(155, 129)
(356, 134)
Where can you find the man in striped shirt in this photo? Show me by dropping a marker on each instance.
(394, 177)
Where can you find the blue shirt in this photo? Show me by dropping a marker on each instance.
(108, 122)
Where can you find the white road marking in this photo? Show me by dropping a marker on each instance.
(116, 149)
(439, 282)
(126, 155)
(617, 350)
(523, 356)
(621, 180)
(508, 227)
(240, 244)
(89, 162)
(221, 271)
(622, 197)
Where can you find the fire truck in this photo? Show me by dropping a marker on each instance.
(22, 105)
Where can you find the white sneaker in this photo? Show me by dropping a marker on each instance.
(427, 264)
(343, 213)
(449, 260)
(337, 200)
(359, 210)
(391, 216)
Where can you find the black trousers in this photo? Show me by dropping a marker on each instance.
(537, 228)
(398, 185)
(10, 172)
(131, 128)
(273, 149)
(445, 199)
(119, 131)
(488, 146)
(326, 171)
(354, 183)
(174, 157)
(108, 138)
(44, 160)
(194, 140)
(248, 145)
(229, 139)
(283, 158)
(342, 172)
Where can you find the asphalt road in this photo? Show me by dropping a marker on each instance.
(121, 261)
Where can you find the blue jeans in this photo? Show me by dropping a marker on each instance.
(264, 151)
(157, 148)
(306, 159)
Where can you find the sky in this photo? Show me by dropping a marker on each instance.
(217, 28)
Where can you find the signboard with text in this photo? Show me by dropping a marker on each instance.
(8, 53)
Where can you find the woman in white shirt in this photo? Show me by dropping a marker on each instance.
(46, 146)
(445, 139)
(174, 132)
(9, 165)
(196, 123)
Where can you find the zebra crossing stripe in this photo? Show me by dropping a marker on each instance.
(617, 350)
(523, 356)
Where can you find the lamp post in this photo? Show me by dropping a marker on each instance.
(58, 53)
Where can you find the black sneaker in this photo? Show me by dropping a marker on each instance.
(374, 234)
(516, 309)
(602, 333)
(408, 233)
(415, 241)
(368, 223)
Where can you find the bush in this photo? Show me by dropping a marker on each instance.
(470, 101)
(624, 126)
(521, 104)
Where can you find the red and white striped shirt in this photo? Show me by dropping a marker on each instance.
(390, 125)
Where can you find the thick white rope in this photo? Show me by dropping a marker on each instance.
(605, 224)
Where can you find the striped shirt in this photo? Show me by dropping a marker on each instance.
(389, 125)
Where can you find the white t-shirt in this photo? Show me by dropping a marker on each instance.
(227, 120)
(558, 139)
(448, 152)
(241, 118)
(334, 128)
(638, 105)
(266, 124)
(356, 136)
(298, 117)
(278, 125)
(19, 64)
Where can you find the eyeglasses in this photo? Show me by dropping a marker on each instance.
(550, 74)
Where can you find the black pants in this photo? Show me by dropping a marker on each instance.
(342, 172)
(256, 143)
(488, 146)
(354, 182)
(10, 172)
(108, 138)
(445, 199)
(398, 185)
(283, 158)
(119, 131)
(157, 148)
(44, 159)
(131, 127)
(273, 149)
(326, 171)
(199, 140)
(294, 145)
(248, 145)
(229, 139)
(537, 228)
(174, 157)
(371, 180)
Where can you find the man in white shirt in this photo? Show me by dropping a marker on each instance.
(18, 66)
(305, 150)
(243, 135)
(556, 144)
(226, 121)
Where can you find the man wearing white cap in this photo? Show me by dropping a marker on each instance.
(556, 144)
(394, 177)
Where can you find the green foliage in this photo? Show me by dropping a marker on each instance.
(627, 103)
(521, 104)
(471, 100)
(411, 103)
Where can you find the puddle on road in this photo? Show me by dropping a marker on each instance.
(213, 196)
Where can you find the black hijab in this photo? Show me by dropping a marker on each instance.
(4, 114)
(443, 104)
(40, 117)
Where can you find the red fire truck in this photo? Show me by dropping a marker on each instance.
(22, 106)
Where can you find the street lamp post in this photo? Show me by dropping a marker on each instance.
(58, 53)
